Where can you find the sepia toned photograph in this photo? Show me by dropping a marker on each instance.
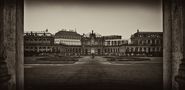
(92, 45)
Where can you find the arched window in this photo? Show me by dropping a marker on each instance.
(132, 49)
(136, 49)
(118, 42)
(153, 41)
(153, 49)
(115, 43)
(127, 49)
(73, 50)
(144, 49)
(140, 49)
(76, 50)
(105, 50)
(148, 42)
(140, 42)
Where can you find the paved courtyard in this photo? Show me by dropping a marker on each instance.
(94, 74)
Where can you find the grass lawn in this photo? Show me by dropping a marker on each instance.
(123, 60)
(50, 60)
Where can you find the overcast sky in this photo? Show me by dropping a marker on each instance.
(104, 18)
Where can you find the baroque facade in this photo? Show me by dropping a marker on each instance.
(36, 43)
(12, 41)
(71, 43)
(145, 44)
(67, 37)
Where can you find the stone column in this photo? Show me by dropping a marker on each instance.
(167, 31)
(11, 44)
(181, 75)
(4, 76)
(20, 44)
(177, 40)
(173, 42)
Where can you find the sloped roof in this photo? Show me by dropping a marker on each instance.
(150, 32)
(147, 34)
(67, 33)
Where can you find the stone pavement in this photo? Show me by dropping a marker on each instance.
(94, 74)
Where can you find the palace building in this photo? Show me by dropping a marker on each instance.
(94, 43)
(38, 38)
(147, 38)
(40, 42)
(67, 37)
(37, 42)
(70, 43)
(145, 44)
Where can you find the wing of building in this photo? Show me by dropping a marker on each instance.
(145, 44)
(67, 38)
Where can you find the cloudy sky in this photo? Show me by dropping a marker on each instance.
(106, 18)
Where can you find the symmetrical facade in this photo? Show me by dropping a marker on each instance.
(173, 14)
(71, 43)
